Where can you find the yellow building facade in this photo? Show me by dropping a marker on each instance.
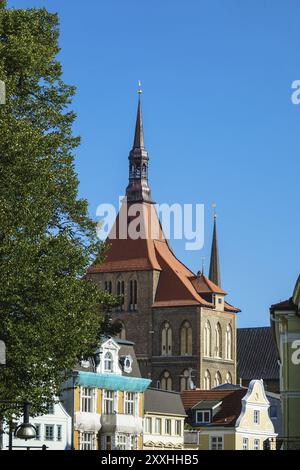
(105, 397)
(230, 419)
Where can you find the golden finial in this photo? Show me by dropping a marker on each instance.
(140, 91)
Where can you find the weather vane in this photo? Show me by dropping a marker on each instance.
(140, 91)
(214, 206)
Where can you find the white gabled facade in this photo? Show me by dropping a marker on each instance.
(54, 430)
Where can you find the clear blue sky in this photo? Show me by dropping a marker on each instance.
(218, 119)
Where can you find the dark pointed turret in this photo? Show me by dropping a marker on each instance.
(214, 269)
(138, 189)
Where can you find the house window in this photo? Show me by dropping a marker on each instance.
(49, 432)
(87, 441)
(203, 417)
(108, 402)
(166, 381)
(132, 443)
(158, 426)
(216, 443)
(186, 339)
(166, 340)
(256, 417)
(87, 400)
(59, 432)
(218, 343)
(129, 403)
(38, 431)
(245, 443)
(178, 427)
(107, 442)
(168, 427)
(133, 295)
(108, 362)
(207, 380)
(256, 444)
(207, 340)
(121, 442)
(148, 425)
(228, 342)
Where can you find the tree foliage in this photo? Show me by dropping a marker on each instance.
(49, 314)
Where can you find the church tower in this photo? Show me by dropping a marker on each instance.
(183, 328)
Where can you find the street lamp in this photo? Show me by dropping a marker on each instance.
(26, 430)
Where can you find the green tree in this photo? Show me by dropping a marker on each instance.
(50, 315)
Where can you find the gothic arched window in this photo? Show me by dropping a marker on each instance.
(217, 379)
(166, 381)
(207, 339)
(228, 378)
(207, 380)
(186, 344)
(166, 340)
(108, 286)
(185, 380)
(133, 295)
(218, 342)
(121, 293)
(228, 342)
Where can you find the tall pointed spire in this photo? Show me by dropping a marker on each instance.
(214, 269)
(139, 134)
(138, 189)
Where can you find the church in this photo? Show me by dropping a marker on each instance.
(183, 328)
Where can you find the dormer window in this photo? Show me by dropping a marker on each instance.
(108, 362)
(203, 417)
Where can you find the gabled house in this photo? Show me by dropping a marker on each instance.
(105, 397)
(230, 418)
(163, 420)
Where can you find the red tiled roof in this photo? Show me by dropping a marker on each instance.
(229, 410)
(177, 284)
(204, 286)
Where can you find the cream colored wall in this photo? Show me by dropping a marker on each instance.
(256, 401)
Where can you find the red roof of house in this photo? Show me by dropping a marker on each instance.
(230, 408)
(177, 286)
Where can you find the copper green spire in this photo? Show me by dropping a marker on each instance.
(214, 269)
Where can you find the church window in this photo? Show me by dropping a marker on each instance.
(228, 342)
(218, 343)
(185, 380)
(218, 379)
(207, 380)
(121, 293)
(207, 339)
(186, 339)
(122, 332)
(133, 295)
(228, 378)
(166, 340)
(166, 381)
(108, 286)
